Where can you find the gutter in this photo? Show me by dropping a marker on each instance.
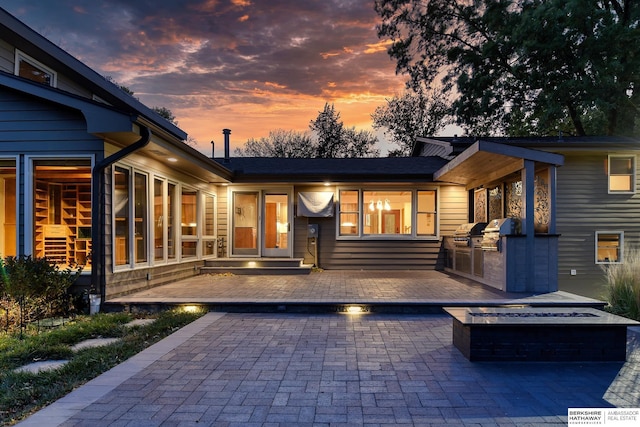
(98, 223)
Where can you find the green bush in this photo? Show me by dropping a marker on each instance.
(623, 285)
(33, 289)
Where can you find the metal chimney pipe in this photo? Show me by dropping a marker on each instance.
(226, 133)
(213, 149)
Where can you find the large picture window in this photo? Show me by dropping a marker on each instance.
(62, 211)
(622, 174)
(387, 213)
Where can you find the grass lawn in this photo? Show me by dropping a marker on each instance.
(22, 393)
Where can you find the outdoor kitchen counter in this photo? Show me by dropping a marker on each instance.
(539, 333)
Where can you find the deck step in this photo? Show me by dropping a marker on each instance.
(260, 266)
(256, 270)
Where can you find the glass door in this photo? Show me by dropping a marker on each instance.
(245, 223)
(276, 225)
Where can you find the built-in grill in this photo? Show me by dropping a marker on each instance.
(496, 228)
(462, 235)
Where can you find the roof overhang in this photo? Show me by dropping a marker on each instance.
(121, 129)
(34, 44)
(101, 119)
(485, 162)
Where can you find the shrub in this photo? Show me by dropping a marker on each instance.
(33, 288)
(623, 285)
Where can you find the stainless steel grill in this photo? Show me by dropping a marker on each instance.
(496, 228)
(462, 235)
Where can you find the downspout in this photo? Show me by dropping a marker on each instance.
(98, 224)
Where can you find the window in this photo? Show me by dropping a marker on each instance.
(622, 174)
(388, 213)
(426, 213)
(189, 223)
(8, 193)
(209, 240)
(164, 229)
(156, 220)
(609, 246)
(159, 217)
(140, 215)
(62, 212)
(349, 213)
(131, 237)
(29, 68)
(172, 202)
(121, 191)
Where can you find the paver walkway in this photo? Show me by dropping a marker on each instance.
(335, 370)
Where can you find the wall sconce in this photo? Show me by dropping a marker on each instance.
(372, 206)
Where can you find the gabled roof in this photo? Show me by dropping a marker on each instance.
(37, 46)
(298, 170)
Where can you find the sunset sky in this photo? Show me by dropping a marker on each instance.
(250, 66)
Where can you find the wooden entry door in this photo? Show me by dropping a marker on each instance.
(391, 222)
(276, 226)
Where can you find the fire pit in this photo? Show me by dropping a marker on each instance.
(539, 334)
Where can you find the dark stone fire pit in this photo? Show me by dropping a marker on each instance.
(539, 334)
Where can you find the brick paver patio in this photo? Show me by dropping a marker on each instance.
(324, 286)
(284, 369)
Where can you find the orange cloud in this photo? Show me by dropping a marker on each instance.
(378, 47)
(327, 55)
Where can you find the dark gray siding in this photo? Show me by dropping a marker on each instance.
(584, 207)
(382, 254)
(364, 254)
(28, 127)
(7, 57)
(47, 128)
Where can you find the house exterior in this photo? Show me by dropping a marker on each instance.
(597, 209)
(92, 178)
